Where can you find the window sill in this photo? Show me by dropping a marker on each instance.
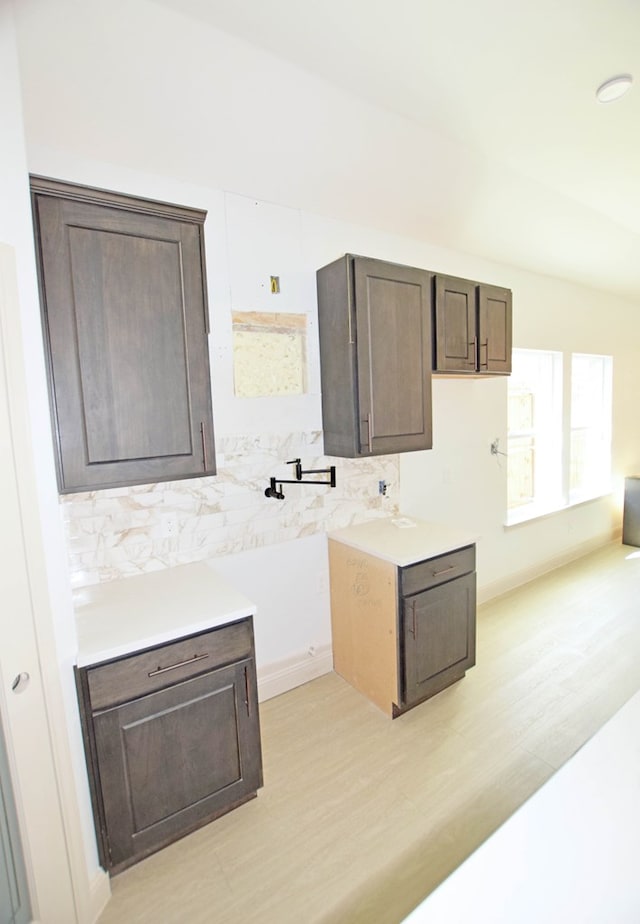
(518, 518)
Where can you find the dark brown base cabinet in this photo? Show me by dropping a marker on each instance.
(438, 624)
(172, 739)
(402, 634)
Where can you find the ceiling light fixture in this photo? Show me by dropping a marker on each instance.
(613, 88)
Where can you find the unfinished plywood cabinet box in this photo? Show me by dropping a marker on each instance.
(402, 633)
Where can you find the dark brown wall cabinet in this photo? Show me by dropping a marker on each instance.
(123, 293)
(375, 355)
(172, 739)
(472, 327)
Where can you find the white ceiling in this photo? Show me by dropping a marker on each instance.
(511, 80)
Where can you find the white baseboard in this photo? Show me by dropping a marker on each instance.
(281, 676)
(517, 578)
(99, 895)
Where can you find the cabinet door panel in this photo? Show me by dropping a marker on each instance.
(439, 636)
(127, 290)
(182, 782)
(494, 311)
(124, 306)
(175, 759)
(393, 350)
(455, 325)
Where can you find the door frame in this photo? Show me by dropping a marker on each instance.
(25, 716)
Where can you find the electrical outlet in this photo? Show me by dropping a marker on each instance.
(168, 525)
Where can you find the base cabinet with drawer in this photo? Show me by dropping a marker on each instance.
(172, 739)
(402, 634)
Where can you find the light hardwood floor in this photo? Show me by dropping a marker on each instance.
(360, 816)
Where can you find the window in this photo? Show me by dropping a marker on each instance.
(559, 431)
(590, 442)
(535, 432)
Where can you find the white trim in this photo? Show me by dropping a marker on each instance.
(292, 672)
(99, 893)
(30, 739)
(520, 515)
(517, 578)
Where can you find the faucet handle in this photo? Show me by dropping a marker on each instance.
(298, 465)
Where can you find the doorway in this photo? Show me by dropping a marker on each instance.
(30, 795)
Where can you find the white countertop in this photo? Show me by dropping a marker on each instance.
(403, 540)
(570, 853)
(118, 617)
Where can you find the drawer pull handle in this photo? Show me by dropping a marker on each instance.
(444, 571)
(172, 667)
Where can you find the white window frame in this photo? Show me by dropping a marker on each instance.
(600, 430)
(552, 464)
(545, 433)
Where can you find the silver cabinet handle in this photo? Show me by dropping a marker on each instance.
(247, 697)
(203, 437)
(444, 571)
(172, 667)
(366, 446)
(412, 627)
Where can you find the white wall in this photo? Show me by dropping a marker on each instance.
(462, 478)
(56, 822)
(160, 105)
(114, 95)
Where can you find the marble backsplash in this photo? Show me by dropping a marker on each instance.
(120, 532)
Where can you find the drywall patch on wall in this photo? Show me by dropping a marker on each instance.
(269, 353)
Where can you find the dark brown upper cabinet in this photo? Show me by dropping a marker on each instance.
(124, 306)
(375, 357)
(472, 327)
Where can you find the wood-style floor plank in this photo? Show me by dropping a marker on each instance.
(361, 816)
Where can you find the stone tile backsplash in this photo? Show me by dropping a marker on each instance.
(119, 532)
